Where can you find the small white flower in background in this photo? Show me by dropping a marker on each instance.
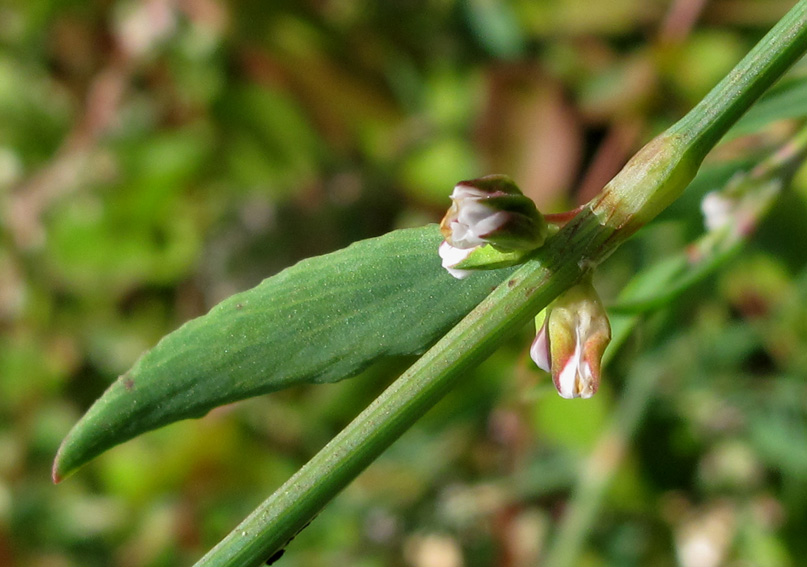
(718, 210)
(571, 336)
(493, 211)
(737, 208)
(704, 537)
(142, 26)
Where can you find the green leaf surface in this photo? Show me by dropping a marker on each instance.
(324, 319)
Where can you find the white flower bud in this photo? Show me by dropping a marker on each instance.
(490, 224)
(492, 210)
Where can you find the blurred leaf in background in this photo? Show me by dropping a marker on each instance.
(157, 156)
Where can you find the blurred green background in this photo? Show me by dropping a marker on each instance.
(157, 156)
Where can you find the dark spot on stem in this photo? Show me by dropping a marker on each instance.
(279, 553)
(512, 283)
(128, 383)
(275, 556)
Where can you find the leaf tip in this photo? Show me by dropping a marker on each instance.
(56, 473)
(64, 463)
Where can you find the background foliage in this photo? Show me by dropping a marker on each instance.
(157, 156)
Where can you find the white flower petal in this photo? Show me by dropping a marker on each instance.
(474, 220)
(567, 380)
(586, 384)
(452, 256)
(539, 351)
(459, 274)
(718, 210)
(467, 192)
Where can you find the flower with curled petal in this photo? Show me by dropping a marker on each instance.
(571, 336)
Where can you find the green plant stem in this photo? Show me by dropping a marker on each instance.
(650, 181)
(733, 96)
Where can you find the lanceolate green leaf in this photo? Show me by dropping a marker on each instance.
(321, 320)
